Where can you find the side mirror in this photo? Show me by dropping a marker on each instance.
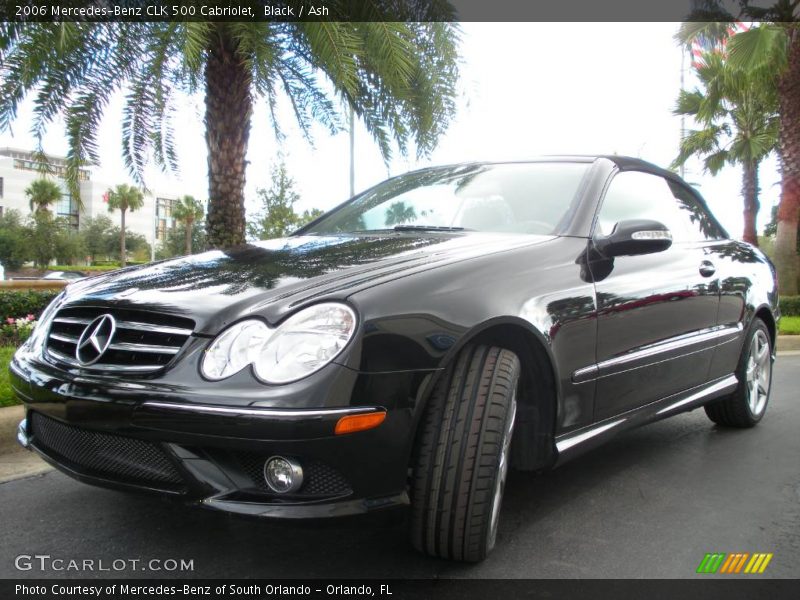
(634, 237)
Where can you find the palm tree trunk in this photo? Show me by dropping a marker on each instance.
(122, 238)
(751, 204)
(228, 111)
(786, 258)
(188, 237)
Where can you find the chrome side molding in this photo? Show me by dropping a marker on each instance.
(596, 371)
(265, 412)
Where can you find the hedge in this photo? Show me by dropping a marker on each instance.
(21, 303)
(100, 265)
(789, 305)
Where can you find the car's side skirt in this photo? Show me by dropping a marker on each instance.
(573, 443)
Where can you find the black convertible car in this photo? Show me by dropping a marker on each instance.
(408, 347)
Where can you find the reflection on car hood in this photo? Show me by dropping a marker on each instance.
(269, 278)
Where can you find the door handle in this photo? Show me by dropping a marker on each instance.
(707, 268)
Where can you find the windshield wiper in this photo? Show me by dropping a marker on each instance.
(428, 228)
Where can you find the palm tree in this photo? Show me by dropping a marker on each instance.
(42, 194)
(124, 198)
(398, 213)
(397, 72)
(772, 48)
(187, 211)
(739, 124)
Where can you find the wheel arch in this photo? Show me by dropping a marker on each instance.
(533, 445)
(764, 313)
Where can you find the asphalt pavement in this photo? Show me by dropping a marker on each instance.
(650, 503)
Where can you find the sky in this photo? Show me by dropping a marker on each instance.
(527, 89)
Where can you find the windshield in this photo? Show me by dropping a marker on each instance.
(516, 197)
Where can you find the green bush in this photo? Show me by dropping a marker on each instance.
(789, 305)
(15, 330)
(15, 304)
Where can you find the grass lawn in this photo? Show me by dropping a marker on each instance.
(790, 326)
(7, 397)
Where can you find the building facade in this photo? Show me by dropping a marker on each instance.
(19, 168)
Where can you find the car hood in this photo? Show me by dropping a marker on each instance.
(270, 278)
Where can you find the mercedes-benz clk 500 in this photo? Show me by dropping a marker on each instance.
(408, 347)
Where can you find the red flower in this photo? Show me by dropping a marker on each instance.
(10, 320)
(31, 317)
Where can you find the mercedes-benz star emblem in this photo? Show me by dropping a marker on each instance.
(95, 339)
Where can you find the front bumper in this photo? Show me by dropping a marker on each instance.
(125, 436)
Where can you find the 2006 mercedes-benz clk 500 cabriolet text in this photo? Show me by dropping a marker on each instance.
(408, 347)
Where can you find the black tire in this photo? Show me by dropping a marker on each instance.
(461, 457)
(741, 409)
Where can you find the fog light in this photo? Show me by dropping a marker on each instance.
(283, 475)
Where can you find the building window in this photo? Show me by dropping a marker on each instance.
(67, 208)
(56, 170)
(165, 221)
(1, 187)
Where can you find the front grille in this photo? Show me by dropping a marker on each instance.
(319, 479)
(115, 457)
(143, 342)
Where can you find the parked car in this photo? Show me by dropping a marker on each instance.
(408, 347)
(65, 275)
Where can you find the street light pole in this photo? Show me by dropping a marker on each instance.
(352, 154)
(155, 230)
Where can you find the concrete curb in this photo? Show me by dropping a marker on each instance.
(16, 462)
(788, 342)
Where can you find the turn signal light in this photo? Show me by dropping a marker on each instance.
(353, 423)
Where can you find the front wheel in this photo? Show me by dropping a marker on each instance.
(462, 455)
(746, 406)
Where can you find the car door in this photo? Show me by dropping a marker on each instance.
(656, 312)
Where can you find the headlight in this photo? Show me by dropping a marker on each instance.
(300, 346)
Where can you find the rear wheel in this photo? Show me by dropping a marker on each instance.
(747, 405)
(462, 455)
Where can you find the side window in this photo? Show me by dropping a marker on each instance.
(638, 195)
(702, 225)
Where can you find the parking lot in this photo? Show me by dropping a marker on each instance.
(649, 504)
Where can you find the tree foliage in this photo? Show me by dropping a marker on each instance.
(42, 194)
(396, 69)
(187, 212)
(738, 117)
(175, 242)
(772, 49)
(277, 217)
(42, 238)
(14, 241)
(124, 198)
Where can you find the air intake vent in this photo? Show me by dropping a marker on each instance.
(105, 455)
(131, 341)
